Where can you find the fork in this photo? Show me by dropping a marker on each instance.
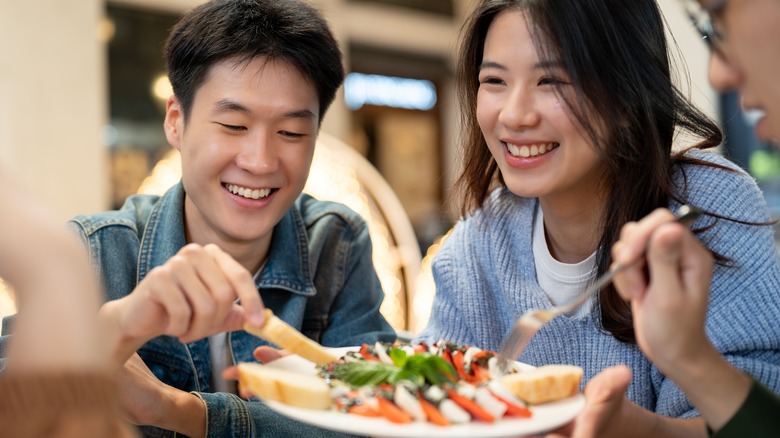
(532, 320)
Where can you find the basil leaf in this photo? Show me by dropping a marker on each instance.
(406, 374)
(398, 356)
(359, 374)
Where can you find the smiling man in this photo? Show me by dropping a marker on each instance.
(744, 37)
(252, 81)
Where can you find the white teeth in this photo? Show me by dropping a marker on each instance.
(248, 193)
(526, 151)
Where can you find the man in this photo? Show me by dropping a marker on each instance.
(669, 305)
(252, 81)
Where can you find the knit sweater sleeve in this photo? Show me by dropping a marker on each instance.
(745, 290)
(451, 313)
(478, 279)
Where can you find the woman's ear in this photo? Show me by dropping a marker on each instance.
(174, 122)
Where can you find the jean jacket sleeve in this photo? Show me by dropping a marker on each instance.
(229, 415)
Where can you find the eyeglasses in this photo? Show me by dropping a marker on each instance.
(701, 18)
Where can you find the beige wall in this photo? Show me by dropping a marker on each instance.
(53, 101)
(696, 56)
(53, 85)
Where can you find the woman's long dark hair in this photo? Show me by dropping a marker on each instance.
(615, 53)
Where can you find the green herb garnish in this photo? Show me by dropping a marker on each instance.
(418, 368)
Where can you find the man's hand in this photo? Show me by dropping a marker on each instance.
(192, 296)
(670, 304)
(263, 355)
(147, 401)
(604, 414)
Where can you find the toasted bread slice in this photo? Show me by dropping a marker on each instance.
(288, 387)
(285, 336)
(544, 384)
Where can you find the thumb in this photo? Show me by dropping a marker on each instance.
(664, 257)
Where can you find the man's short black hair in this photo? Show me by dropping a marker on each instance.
(291, 31)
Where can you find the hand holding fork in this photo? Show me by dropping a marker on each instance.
(532, 320)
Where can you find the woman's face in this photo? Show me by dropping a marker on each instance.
(540, 149)
(752, 65)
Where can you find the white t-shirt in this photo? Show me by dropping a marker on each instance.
(222, 357)
(562, 282)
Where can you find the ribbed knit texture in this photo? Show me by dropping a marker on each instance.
(485, 279)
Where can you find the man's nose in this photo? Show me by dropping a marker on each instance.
(723, 74)
(258, 155)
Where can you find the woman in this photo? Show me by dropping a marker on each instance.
(569, 119)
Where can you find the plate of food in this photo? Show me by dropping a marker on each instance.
(402, 390)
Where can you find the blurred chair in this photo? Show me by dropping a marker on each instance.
(341, 174)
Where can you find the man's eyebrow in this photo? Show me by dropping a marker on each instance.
(300, 114)
(228, 105)
(715, 6)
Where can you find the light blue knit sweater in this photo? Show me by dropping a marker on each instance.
(485, 279)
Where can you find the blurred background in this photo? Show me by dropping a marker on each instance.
(83, 89)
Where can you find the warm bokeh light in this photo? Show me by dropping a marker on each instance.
(161, 88)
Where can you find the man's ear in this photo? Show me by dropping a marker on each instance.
(174, 122)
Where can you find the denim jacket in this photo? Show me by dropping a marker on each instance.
(319, 278)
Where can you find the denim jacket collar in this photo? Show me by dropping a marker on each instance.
(288, 263)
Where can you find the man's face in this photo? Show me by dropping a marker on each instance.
(751, 66)
(246, 149)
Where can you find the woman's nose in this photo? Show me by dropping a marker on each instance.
(519, 111)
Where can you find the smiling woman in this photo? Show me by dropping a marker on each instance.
(341, 174)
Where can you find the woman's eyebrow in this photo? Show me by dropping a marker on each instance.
(491, 64)
(548, 65)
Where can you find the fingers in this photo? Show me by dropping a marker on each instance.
(267, 354)
(194, 295)
(631, 282)
(608, 385)
(681, 268)
(663, 255)
(635, 235)
(604, 395)
(230, 373)
(241, 282)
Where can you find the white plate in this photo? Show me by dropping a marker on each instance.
(545, 417)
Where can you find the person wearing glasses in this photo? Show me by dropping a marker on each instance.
(669, 300)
